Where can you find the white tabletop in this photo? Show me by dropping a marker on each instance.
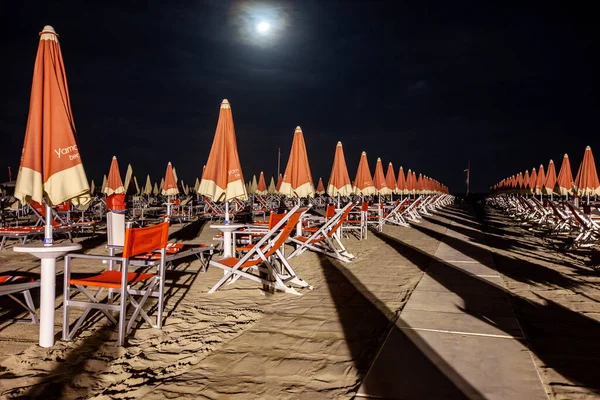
(227, 227)
(42, 251)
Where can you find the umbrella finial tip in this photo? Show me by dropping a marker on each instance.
(298, 128)
(339, 143)
(364, 152)
(588, 148)
(225, 104)
(48, 29)
(114, 157)
(566, 155)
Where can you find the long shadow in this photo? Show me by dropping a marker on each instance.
(563, 339)
(498, 242)
(189, 231)
(419, 373)
(515, 268)
(54, 383)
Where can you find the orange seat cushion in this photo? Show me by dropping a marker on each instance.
(111, 279)
(14, 279)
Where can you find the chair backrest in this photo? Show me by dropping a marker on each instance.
(340, 221)
(274, 218)
(330, 211)
(285, 233)
(364, 206)
(145, 240)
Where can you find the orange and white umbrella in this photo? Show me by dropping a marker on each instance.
(379, 179)
(402, 188)
(222, 179)
(419, 187)
(272, 189)
(50, 162)
(339, 180)
(253, 185)
(196, 185)
(414, 183)
(104, 183)
(297, 178)
(550, 181)
(540, 181)
(261, 187)
(526, 189)
(532, 180)
(169, 187)
(564, 182)
(114, 184)
(92, 187)
(390, 178)
(586, 181)
(320, 187)
(155, 190)
(279, 181)
(363, 183)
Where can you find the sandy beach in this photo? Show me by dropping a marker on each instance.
(239, 343)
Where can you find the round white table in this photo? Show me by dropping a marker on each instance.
(227, 242)
(48, 255)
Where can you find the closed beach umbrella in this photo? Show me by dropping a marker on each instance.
(379, 179)
(363, 183)
(272, 189)
(261, 187)
(564, 182)
(155, 190)
(51, 169)
(148, 186)
(169, 187)
(526, 188)
(390, 179)
(222, 180)
(540, 181)
(253, 185)
(402, 189)
(586, 181)
(320, 187)
(278, 185)
(196, 185)
(104, 183)
(532, 180)
(297, 178)
(114, 184)
(339, 180)
(92, 187)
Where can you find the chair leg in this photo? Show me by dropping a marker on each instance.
(31, 306)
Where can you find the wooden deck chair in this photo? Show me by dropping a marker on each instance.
(137, 241)
(326, 240)
(260, 263)
(11, 285)
(411, 212)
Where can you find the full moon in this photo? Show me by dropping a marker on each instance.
(263, 27)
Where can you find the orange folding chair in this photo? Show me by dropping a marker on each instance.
(126, 285)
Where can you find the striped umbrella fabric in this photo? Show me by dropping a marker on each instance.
(363, 183)
(222, 179)
(114, 184)
(297, 179)
(339, 179)
(564, 182)
(169, 187)
(586, 182)
(51, 168)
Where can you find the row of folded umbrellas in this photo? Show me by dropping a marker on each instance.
(51, 168)
(542, 181)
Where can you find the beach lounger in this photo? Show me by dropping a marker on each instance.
(128, 285)
(394, 216)
(326, 239)
(11, 285)
(264, 262)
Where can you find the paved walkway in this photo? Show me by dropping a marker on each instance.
(457, 336)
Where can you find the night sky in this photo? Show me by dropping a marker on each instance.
(426, 85)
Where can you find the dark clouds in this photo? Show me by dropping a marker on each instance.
(426, 85)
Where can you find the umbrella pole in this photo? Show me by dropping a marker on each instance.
(48, 238)
(226, 212)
